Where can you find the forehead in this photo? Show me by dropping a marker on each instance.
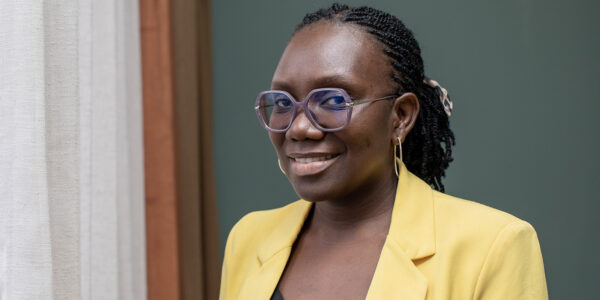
(335, 52)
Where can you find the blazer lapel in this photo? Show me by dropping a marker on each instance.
(262, 284)
(411, 237)
(275, 252)
(396, 277)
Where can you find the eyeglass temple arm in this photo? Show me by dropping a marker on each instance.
(357, 102)
(256, 107)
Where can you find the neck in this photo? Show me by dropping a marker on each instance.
(369, 210)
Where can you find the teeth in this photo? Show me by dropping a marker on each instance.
(306, 160)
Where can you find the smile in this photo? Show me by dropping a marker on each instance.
(306, 160)
(312, 163)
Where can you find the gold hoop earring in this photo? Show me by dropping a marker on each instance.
(395, 154)
(280, 168)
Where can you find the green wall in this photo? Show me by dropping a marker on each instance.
(524, 77)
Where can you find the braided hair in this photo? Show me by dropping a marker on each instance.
(427, 149)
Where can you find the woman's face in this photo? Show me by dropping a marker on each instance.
(331, 166)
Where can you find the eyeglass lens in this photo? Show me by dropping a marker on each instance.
(326, 108)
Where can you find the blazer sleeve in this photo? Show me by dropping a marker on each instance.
(513, 268)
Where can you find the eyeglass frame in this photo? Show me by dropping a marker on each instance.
(304, 104)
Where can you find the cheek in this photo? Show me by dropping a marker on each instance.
(277, 141)
(370, 138)
(367, 142)
(370, 131)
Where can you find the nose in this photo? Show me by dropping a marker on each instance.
(302, 129)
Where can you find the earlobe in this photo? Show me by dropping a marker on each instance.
(405, 113)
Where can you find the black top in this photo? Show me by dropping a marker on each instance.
(277, 294)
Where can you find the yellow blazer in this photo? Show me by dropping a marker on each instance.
(438, 247)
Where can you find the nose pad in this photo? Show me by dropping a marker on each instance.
(302, 128)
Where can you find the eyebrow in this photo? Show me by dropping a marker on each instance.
(335, 80)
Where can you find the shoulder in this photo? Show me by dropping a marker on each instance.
(255, 227)
(258, 234)
(449, 209)
(474, 223)
(265, 219)
(499, 251)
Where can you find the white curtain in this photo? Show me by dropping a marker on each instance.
(71, 164)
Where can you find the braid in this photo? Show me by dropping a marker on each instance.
(427, 149)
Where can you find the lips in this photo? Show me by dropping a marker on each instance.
(306, 160)
(311, 163)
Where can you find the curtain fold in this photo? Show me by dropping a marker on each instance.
(71, 157)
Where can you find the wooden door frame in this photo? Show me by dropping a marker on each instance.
(183, 260)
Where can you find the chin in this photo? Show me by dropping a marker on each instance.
(312, 197)
(317, 191)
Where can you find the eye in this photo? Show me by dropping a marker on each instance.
(333, 102)
(282, 105)
(283, 102)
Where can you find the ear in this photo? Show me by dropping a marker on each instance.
(405, 112)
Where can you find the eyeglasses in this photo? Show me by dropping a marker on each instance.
(328, 109)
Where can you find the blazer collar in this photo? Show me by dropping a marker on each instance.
(411, 237)
(287, 230)
(412, 225)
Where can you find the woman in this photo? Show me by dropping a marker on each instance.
(362, 134)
